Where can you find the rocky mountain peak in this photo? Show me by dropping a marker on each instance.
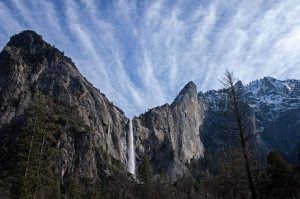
(28, 55)
(189, 90)
(29, 41)
(269, 79)
(170, 134)
(239, 85)
(30, 66)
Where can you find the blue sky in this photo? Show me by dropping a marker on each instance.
(141, 53)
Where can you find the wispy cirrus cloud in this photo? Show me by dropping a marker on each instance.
(140, 53)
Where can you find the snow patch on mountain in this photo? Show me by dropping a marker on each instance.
(268, 98)
(276, 94)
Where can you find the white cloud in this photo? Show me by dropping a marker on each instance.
(289, 43)
(140, 53)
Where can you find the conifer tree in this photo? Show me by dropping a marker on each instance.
(35, 157)
(145, 170)
(240, 129)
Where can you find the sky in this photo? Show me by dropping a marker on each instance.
(140, 53)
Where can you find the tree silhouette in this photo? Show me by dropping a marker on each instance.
(237, 111)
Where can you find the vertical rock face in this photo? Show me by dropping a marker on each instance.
(29, 65)
(170, 134)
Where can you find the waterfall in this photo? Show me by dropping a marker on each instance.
(131, 151)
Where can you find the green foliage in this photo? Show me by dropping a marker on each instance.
(29, 148)
(145, 170)
(75, 189)
(36, 152)
(281, 176)
(55, 189)
(278, 170)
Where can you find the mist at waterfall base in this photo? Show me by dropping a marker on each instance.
(131, 151)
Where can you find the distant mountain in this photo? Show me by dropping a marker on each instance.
(271, 97)
(275, 104)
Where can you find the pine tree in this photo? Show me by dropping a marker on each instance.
(145, 170)
(75, 189)
(30, 146)
(280, 175)
(237, 112)
(35, 151)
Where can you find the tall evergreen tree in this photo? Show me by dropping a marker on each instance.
(145, 170)
(35, 151)
(240, 123)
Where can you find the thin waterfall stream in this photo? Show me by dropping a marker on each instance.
(131, 151)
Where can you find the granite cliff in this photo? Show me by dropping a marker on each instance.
(170, 134)
(29, 65)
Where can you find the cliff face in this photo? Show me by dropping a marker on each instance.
(170, 135)
(29, 65)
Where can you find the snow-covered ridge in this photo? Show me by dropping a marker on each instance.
(268, 91)
(274, 106)
(282, 95)
(268, 98)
